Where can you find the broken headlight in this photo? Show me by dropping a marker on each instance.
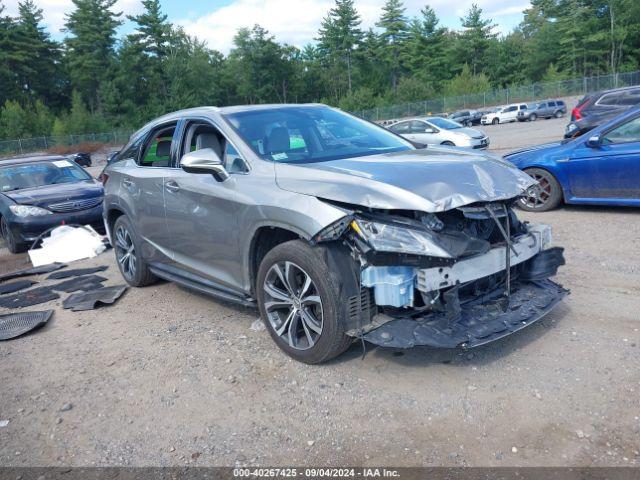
(387, 237)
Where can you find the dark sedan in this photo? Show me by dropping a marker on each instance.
(37, 193)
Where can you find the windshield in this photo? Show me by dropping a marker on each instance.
(38, 174)
(312, 134)
(444, 123)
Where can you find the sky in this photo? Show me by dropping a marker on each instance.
(295, 22)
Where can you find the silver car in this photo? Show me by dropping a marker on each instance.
(440, 131)
(335, 228)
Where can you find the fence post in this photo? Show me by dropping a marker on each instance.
(507, 93)
(20, 145)
(46, 146)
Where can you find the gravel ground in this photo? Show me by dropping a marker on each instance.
(168, 377)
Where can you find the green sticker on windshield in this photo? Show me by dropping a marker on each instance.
(279, 156)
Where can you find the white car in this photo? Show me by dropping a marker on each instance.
(506, 114)
(440, 131)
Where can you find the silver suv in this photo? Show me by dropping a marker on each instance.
(337, 229)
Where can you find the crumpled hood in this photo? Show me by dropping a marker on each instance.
(48, 194)
(428, 180)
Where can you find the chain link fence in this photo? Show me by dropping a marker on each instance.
(43, 144)
(528, 93)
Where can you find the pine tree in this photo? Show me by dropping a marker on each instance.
(38, 71)
(90, 48)
(394, 33)
(340, 35)
(152, 29)
(476, 39)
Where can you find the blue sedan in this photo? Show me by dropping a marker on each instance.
(599, 168)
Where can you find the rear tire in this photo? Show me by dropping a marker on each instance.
(13, 244)
(127, 248)
(558, 114)
(307, 323)
(548, 195)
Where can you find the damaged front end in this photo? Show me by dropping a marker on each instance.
(459, 278)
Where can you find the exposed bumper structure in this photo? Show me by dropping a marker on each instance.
(523, 248)
(481, 321)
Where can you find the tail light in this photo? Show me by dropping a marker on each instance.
(576, 114)
(103, 178)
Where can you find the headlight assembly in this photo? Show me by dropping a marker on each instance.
(23, 211)
(386, 237)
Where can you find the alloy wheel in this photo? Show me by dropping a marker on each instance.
(538, 195)
(125, 252)
(293, 305)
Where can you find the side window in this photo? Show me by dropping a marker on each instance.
(552, 104)
(157, 149)
(418, 127)
(626, 133)
(523, 107)
(402, 127)
(511, 109)
(130, 150)
(560, 103)
(200, 135)
(630, 98)
(609, 99)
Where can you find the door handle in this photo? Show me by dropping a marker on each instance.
(172, 186)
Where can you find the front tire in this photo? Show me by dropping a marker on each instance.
(128, 251)
(545, 196)
(495, 121)
(13, 244)
(533, 117)
(447, 143)
(301, 303)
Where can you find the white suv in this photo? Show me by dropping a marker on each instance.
(505, 114)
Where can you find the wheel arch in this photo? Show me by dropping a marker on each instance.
(264, 239)
(554, 174)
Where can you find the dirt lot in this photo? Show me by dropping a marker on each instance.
(170, 377)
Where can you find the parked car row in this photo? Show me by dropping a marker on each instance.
(547, 109)
(440, 131)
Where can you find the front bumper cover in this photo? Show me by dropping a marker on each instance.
(480, 321)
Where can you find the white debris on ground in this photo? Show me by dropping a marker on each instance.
(257, 325)
(4, 423)
(67, 244)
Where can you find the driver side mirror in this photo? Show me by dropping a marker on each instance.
(594, 141)
(206, 161)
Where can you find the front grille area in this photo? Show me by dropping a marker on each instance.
(75, 205)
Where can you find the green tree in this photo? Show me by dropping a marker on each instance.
(90, 46)
(467, 83)
(476, 39)
(14, 121)
(425, 53)
(394, 33)
(340, 35)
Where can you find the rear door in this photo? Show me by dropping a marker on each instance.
(611, 170)
(142, 189)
